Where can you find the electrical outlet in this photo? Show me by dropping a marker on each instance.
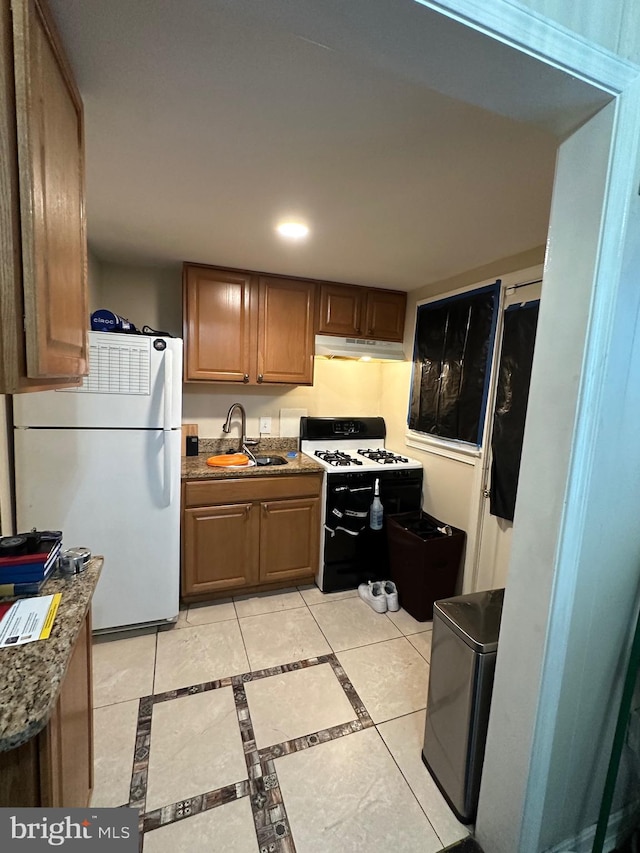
(265, 426)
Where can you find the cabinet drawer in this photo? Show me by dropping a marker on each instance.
(211, 492)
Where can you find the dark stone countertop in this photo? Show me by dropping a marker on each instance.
(31, 675)
(196, 468)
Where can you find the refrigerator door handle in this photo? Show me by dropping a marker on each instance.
(168, 389)
(166, 429)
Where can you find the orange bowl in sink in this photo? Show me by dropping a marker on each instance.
(228, 460)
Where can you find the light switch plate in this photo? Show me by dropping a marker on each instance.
(265, 426)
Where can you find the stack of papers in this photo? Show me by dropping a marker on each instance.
(28, 619)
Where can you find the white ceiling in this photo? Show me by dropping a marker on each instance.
(209, 120)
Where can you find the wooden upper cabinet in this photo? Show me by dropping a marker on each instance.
(43, 290)
(243, 327)
(351, 311)
(217, 324)
(341, 310)
(285, 331)
(43, 306)
(384, 314)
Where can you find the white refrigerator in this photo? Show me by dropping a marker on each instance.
(101, 463)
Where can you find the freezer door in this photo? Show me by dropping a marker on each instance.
(134, 382)
(105, 489)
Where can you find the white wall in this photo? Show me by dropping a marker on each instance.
(146, 296)
(551, 411)
(573, 583)
(340, 388)
(94, 276)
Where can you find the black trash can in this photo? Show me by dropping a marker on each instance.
(424, 562)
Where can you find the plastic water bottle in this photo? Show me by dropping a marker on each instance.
(377, 511)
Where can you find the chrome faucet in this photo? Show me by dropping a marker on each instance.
(244, 441)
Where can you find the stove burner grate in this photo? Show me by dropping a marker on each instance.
(337, 458)
(382, 457)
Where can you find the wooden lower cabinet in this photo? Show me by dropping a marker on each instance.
(221, 548)
(271, 537)
(55, 768)
(289, 539)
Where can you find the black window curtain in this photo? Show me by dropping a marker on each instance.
(452, 358)
(512, 395)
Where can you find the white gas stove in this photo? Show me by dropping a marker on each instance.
(354, 444)
(352, 452)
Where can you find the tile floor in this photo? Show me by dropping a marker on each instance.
(282, 722)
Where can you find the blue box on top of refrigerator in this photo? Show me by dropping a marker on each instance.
(101, 462)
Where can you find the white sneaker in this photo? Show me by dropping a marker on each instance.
(391, 594)
(373, 593)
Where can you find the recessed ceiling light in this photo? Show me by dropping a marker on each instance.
(293, 230)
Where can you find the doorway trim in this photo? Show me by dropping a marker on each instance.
(524, 762)
(542, 38)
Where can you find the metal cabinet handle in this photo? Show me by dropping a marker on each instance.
(245, 378)
(260, 377)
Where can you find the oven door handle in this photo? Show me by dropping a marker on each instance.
(334, 530)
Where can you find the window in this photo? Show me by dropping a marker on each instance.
(451, 364)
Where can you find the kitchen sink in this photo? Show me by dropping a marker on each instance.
(270, 460)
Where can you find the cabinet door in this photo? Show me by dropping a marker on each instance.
(20, 776)
(385, 315)
(341, 310)
(55, 768)
(217, 330)
(66, 745)
(220, 548)
(51, 184)
(289, 539)
(285, 331)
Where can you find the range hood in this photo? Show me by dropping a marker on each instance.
(332, 347)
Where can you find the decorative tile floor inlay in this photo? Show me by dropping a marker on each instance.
(261, 785)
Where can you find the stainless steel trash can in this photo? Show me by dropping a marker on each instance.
(463, 659)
